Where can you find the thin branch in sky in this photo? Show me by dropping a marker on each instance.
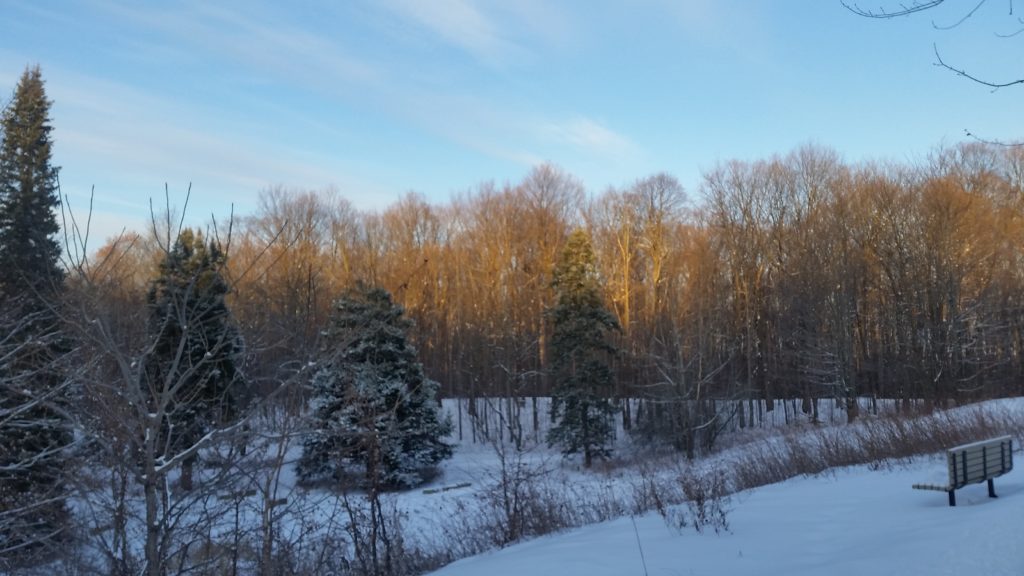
(1013, 144)
(962, 19)
(904, 10)
(961, 72)
(1014, 33)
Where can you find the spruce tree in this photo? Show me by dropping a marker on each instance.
(29, 250)
(580, 355)
(191, 376)
(33, 433)
(372, 404)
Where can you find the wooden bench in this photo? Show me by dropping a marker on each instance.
(975, 463)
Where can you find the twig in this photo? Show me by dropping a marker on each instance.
(961, 20)
(903, 11)
(1016, 144)
(961, 72)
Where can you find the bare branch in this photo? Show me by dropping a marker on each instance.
(962, 19)
(904, 10)
(1013, 144)
(1014, 33)
(961, 72)
(184, 210)
(921, 6)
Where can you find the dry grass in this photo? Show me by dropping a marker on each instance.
(880, 442)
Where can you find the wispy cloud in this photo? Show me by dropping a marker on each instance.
(589, 136)
(256, 94)
(151, 138)
(736, 25)
(463, 24)
(261, 40)
(313, 60)
(241, 60)
(543, 22)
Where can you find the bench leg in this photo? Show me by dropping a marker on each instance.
(991, 489)
(952, 498)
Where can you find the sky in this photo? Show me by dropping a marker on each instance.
(377, 98)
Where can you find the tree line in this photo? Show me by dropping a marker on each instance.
(799, 276)
(794, 276)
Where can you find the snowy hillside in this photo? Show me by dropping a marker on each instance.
(791, 502)
(852, 522)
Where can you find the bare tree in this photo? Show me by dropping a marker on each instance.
(144, 424)
(285, 264)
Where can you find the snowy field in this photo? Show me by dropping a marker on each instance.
(848, 521)
(845, 521)
(851, 522)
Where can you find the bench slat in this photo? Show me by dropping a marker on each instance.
(931, 487)
(996, 441)
(979, 461)
(991, 458)
(981, 468)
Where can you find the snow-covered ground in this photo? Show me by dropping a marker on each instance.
(847, 521)
(852, 522)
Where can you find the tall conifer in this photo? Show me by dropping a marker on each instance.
(33, 432)
(580, 355)
(29, 250)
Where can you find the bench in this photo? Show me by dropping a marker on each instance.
(975, 463)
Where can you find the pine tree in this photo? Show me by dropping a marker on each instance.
(33, 434)
(29, 251)
(373, 406)
(580, 354)
(191, 375)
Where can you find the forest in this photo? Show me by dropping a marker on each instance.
(796, 276)
(150, 387)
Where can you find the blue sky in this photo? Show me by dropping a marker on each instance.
(377, 98)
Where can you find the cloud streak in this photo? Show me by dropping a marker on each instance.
(263, 42)
(462, 24)
(590, 137)
(237, 96)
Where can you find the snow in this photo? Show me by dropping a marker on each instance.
(859, 520)
(850, 522)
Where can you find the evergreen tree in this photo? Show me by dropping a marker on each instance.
(191, 377)
(33, 434)
(29, 250)
(373, 406)
(580, 354)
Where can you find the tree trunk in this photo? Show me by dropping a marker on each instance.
(852, 409)
(187, 466)
(154, 562)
